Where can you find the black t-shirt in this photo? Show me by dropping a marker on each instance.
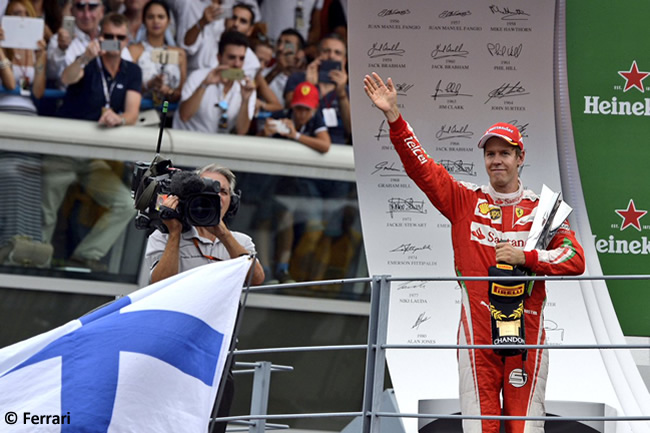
(86, 98)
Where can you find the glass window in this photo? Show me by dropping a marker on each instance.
(73, 217)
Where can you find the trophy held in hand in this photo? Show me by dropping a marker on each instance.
(507, 308)
(507, 296)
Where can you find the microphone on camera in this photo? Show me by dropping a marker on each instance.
(185, 183)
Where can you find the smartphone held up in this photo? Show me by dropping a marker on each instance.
(324, 70)
(279, 126)
(233, 74)
(69, 24)
(110, 45)
(164, 57)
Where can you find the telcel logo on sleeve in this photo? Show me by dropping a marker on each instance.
(417, 150)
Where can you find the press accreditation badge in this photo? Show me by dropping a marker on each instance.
(329, 115)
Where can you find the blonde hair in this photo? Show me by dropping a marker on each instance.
(28, 5)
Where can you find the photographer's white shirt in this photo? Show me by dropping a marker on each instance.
(207, 117)
(189, 256)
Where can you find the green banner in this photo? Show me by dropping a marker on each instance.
(609, 86)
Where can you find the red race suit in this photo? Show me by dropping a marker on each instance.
(480, 218)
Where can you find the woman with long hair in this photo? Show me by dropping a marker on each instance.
(164, 68)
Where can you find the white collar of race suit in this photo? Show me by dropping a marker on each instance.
(506, 199)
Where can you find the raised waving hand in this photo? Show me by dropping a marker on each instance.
(384, 96)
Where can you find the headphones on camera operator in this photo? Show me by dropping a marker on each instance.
(199, 199)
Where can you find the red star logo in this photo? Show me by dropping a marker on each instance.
(631, 216)
(633, 78)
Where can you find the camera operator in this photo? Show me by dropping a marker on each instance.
(178, 251)
(170, 254)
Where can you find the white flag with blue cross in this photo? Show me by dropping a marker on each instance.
(148, 362)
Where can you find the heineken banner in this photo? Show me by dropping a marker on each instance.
(610, 110)
(459, 66)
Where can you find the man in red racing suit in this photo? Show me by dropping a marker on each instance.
(488, 224)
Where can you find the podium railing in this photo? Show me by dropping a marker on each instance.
(377, 345)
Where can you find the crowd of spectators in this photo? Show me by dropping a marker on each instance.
(176, 45)
(273, 68)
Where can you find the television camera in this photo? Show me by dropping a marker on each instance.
(199, 200)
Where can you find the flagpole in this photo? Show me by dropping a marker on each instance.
(233, 344)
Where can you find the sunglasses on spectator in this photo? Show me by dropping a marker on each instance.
(113, 36)
(83, 5)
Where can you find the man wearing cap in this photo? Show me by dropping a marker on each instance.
(489, 225)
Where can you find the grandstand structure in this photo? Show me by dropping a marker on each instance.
(332, 367)
(38, 299)
(321, 381)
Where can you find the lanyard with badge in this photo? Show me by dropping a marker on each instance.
(329, 113)
(196, 244)
(222, 124)
(24, 83)
(107, 92)
(223, 119)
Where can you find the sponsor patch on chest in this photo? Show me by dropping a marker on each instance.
(488, 211)
(524, 215)
(490, 236)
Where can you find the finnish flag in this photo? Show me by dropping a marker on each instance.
(148, 362)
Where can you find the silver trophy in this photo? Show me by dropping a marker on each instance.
(551, 214)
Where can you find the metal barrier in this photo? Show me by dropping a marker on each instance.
(377, 345)
(260, 394)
